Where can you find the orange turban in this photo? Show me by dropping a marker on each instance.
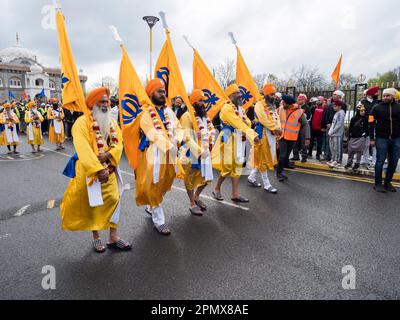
(53, 100)
(30, 104)
(196, 96)
(153, 86)
(232, 89)
(95, 96)
(268, 89)
(7, 106)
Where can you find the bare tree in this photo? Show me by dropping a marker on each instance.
(108, 82)
(306, 76)
(347, 80)
(225, 73)
(260, 80)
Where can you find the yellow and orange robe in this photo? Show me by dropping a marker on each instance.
(76, 212)
(56, 125)
(263, 156)
(157, 163)
(9, 135)
(228, 154)
(195, 175)
(34, 128)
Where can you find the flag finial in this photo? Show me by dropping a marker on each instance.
(230, 34)
(187, 41)
(163, 19)
(114, 31)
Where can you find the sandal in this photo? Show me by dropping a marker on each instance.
(196, 211)
(163, 230)
(148, 211)
(201, 205)
(217, 196)
(98, 246)
(240, 199)
(120, 245)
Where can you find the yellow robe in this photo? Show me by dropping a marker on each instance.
(193, 178)
(37, 137)
(76, 213)
(3, 140)
(223, 153)
(261, 157)
(148, 193)
(53, 137)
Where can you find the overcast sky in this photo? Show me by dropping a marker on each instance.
(274, 36)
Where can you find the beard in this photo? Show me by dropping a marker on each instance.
(200, 111)
(238, 102)
(159, 102)
(103, 119)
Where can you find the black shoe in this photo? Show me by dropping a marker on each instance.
(290, 166)
(348, 166)
(318, 158)
(304, 160)
(380, 188)
(295, 159)
(389, 187)
(356, 167)
(281, 177)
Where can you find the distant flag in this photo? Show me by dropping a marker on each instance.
(244, 80)
(72, 92)
(167, 70)
(24, 96)
(336, 72)
(42, 94)
(204, 80)
(132, 100)
(11, 95)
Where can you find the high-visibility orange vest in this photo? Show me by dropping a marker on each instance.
(290, 122)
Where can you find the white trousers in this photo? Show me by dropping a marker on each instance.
(158, 216)
(264, 177)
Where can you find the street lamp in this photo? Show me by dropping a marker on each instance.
(151, 21)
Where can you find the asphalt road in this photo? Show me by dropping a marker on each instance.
(287, 246)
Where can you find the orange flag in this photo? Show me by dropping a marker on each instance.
(204, 80)
(132, 99)
(336, 72)
(167, 70)
(245, 81)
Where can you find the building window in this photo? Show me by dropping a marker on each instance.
(39, 83)
(15, 83)
(52, 85)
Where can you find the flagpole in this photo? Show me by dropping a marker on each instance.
(151, 22)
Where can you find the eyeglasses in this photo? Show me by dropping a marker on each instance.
(104, 101)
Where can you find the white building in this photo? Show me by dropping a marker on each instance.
(21, 72)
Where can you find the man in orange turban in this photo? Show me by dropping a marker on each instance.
(33, 119)
(228, 155)
(92, 199)
(9, 119)
(268, 127)
(197, 158)
(55, 114)
(161, 133)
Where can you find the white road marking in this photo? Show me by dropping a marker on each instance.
(21, 211)
(176, 188)
(5, 236)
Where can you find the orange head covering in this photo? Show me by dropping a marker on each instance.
(232, 89)
(30, 104)
(196, 96)
(53, 100)
(7, 106)
(268, 89)
(153, 86)
(95, 96)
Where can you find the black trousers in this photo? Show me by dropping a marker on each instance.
(300, 148)
(318, 137)
(285, 149)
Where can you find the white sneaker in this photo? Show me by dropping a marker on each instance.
(333, 164)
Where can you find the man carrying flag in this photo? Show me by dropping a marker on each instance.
(9, 119)
(33, 120)
(228, 155)
(55, 114)
(156, 166)
(268, 128)
(198, 166)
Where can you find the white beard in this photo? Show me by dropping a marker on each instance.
(103, 120)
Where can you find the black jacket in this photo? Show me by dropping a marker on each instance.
(358, 127)
(180, 112)
(386, 121)
(330, 113)
(369, 105)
